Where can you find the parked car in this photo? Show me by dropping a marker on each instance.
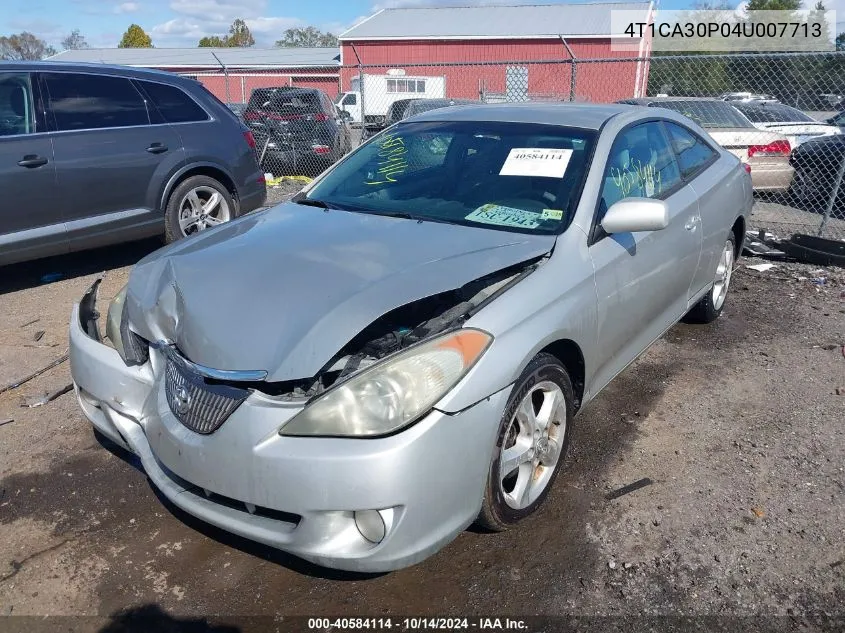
(395, 113)
(838, 120)
(745, 96)
(796, 126)
(238, 109)
(441, 304)
(297, 130)
(818, 164)
(766, 153)
(93, 154)
(406, 108)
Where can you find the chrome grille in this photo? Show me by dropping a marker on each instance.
(199, 405)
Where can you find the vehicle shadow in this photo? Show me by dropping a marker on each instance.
(40, 271)
(151, 617)
(264, 552)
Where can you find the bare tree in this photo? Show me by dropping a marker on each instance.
(24, 47)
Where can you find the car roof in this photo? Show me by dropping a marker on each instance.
(588, 116)
(86, 67)
(650, 100)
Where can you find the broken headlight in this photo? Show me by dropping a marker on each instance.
(132, 349)
(392, 393)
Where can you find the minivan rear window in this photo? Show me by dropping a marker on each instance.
(173, 104)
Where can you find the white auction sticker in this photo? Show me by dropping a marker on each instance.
(536, 161)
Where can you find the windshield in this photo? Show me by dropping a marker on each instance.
(522, 177)
(773, 113)
(708, 114)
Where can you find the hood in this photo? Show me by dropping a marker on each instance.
(283, 290)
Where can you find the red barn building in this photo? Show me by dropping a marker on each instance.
(506, 52)
(230, 73)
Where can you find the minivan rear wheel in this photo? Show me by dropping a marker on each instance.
(197, 203)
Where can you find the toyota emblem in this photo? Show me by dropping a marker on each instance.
(181, 400)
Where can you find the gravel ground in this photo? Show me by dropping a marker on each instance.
(737, 428)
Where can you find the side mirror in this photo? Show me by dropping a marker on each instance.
(632, 215)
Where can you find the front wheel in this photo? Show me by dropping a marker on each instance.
(531, 444)
(710, 306)
(197, 203)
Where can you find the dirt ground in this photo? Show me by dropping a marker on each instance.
(738, 427)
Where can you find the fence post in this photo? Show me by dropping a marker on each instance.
(225, 75)
(360, 85)
(243, 89)
(833, 195)
(573, 68)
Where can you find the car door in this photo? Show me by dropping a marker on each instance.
(108, 156)
(31, 223)
(715, 192)
(642, 279)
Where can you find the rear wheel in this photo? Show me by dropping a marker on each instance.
(197, 203)
(531, 444)
(710, 306)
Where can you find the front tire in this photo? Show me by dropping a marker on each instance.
(197, 203)
(710, 306)
(531, 444)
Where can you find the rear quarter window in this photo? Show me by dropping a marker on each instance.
(173, 104)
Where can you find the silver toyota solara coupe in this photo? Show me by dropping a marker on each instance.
(358, 375)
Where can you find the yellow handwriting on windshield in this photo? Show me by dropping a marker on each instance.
(392, 161)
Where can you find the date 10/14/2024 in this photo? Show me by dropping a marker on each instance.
(416, 624)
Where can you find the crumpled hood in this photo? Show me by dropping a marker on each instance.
(284, 290)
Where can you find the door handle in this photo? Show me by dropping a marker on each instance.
(692, 223)
(157, 148)
(31, 160)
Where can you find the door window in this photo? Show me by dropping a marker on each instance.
(82, 102)
(350, 99)
(17, 116)
(640, 165)
(693, 153)
(173, 104)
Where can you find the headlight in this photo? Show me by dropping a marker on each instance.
(394, 392)
(113, 320)
(132, 349)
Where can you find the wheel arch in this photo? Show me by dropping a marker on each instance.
(738, 230)
(199, 169)
(569, 353)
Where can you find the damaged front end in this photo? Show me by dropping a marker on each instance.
(402, 328)
(384, 379)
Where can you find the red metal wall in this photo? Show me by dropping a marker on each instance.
(241, 84)
(607, 81)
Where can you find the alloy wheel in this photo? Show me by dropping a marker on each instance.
(532, 445)
(201, 208)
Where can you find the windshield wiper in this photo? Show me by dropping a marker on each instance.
(313, 202)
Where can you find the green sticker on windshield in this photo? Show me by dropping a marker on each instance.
(505, 216)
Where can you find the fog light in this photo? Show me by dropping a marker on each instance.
(370, 525)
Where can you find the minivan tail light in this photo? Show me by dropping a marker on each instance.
(321, 149)
(250, 139)
(747, 167)
(775, 148)
(320, 116)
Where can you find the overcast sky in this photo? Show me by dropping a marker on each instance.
(175, 23)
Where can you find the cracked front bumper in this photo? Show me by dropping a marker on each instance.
(298, 494)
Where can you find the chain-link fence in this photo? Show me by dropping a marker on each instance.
(781, 114)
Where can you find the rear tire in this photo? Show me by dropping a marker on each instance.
(197, 203)
(530, 446)
(710, 306)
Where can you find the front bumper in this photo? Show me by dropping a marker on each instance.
(294, 493)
